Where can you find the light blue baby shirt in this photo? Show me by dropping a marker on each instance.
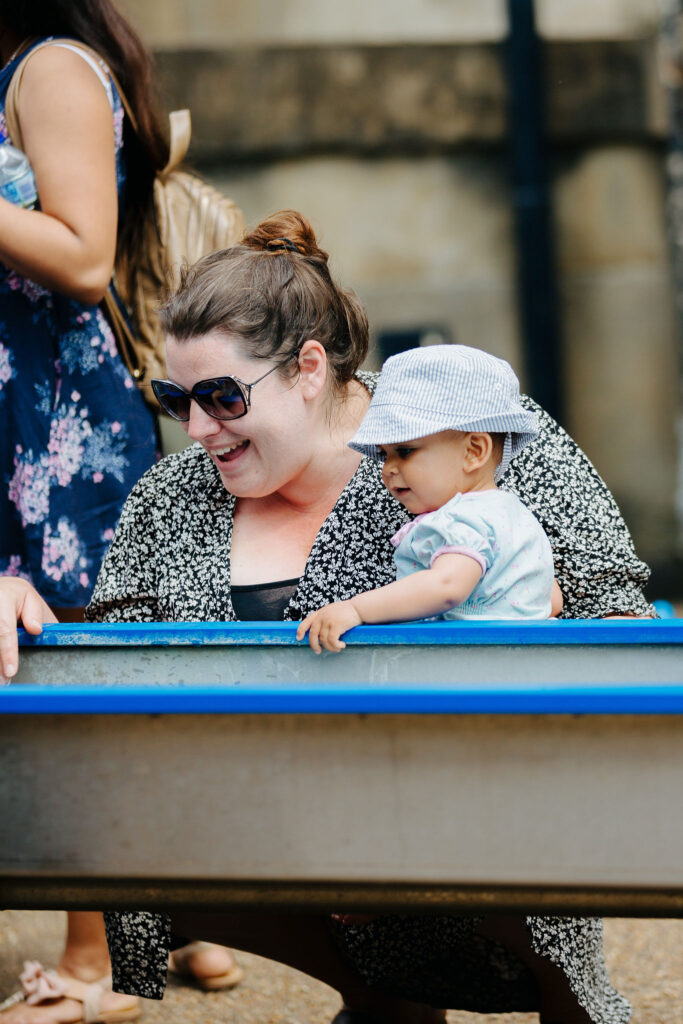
(501, 534)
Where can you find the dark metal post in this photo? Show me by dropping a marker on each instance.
(671, 74)
(536, 274)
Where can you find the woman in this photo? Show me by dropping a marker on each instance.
(76, 431)
(271, 515)
(76, 434)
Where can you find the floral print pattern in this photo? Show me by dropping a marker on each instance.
(63, 554)
(76, 434)
(170, 560)
(5, 366)
(29, 488)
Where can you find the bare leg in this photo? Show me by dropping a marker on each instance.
(85, 958)
(85, 955)
(304, 942)
(559, 1005)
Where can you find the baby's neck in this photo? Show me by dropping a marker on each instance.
(481, 480)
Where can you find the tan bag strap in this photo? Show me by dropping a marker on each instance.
(124, 336)
(180, 124)
(180, 132)
(12, 102)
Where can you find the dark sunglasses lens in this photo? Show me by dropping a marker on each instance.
(221, 398)
(173, 400)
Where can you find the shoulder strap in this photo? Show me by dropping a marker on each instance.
(180, 130)
(92, 60)
(179, 120)
(12, 100)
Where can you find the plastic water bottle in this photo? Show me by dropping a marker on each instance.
(17, 183)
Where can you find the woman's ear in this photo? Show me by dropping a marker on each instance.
(477, 451)
(312, 368)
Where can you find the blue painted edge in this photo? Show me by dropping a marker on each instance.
(584, 631)
(29, 699)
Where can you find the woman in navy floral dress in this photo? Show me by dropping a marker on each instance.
(76, 433)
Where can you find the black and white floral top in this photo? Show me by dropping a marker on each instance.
(170, 561)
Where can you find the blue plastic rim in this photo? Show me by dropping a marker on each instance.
(636, 698)
(341, 699)
(590, 631)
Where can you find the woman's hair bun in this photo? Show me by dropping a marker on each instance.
(286, 231)
(273, 290)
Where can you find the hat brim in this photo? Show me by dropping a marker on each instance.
(378, 428)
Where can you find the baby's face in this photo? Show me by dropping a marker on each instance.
(426, 473)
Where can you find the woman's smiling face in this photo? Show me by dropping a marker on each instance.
(262, 451)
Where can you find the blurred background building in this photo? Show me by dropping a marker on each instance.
(387, 124)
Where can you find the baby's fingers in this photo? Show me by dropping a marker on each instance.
(329, 637)
(304, 626)
(314, 636)
(335, 644)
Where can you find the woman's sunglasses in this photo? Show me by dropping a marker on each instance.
(224, 398)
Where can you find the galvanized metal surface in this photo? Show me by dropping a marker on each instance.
(545, 811)
(457, 800)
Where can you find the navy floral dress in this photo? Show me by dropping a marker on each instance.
(75, 433)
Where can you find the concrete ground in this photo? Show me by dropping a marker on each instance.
(645, 960)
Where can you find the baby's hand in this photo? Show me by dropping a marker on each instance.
(327, 624)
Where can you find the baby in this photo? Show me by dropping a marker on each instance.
(445, 421)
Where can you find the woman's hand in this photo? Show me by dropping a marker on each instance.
(326, 626)
(20, 604)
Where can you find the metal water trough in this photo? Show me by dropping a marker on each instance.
(428, 766)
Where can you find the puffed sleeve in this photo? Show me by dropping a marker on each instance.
(453, 529)
(595, 562)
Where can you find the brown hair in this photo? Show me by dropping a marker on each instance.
(274, 291)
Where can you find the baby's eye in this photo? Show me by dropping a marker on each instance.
(403, 453)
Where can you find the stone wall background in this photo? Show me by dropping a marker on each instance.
(385, 124)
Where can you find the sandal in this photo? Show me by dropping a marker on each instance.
(179, 963)
(40, 988)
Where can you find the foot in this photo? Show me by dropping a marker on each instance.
(48, 997)
(209, 966)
